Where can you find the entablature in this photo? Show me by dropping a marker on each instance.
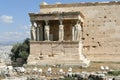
(56, 16)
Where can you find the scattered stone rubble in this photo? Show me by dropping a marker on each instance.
(35, 73)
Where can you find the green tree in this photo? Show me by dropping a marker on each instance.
(15, 51)
(23, 54)
(21, 50)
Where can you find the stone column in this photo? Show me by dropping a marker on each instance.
(33, 32)
(61, 31)
(46, 31)
(73, 33)
(35, 24)
(38, 33)
(78, 31)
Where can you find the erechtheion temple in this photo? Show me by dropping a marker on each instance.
(74, 34)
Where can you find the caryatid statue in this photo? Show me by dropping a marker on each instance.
(77, 31)
(61, 31)
(33, 31)
(47, 30)
(73, 33)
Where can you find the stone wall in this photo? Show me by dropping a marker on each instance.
(101, 40)
(54, 52)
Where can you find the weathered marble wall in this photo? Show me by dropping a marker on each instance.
(101, 29)
(64, 53)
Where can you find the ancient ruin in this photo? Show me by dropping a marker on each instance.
(75, 34)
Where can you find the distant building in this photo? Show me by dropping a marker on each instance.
(73, 34)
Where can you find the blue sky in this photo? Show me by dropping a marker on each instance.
(14, 19)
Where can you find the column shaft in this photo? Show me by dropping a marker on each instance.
(38, 33)
(41, 33)
(61, 32)
(73, 33)
(33, 32)
(46, 32)
(77, 31)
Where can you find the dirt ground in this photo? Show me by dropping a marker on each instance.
(94, 66)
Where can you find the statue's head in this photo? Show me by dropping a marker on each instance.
(35, 24)
(78, 21)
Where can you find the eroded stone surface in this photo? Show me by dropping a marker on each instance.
(99, 36)
(101, 28)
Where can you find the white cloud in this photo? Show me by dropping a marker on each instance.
(6, 19)
(25, 27)
(22, 33)
(13, 33)
(14, 36)
(28, 34)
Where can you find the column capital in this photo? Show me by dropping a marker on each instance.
(32, 23)
(46, 22)
(39, 25)
(78, 21)
(80, 18)
(35, 24)
(61, 21)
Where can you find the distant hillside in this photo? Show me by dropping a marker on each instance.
(9, 42)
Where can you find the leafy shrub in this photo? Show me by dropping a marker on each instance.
(20, 50)
(114, 73)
